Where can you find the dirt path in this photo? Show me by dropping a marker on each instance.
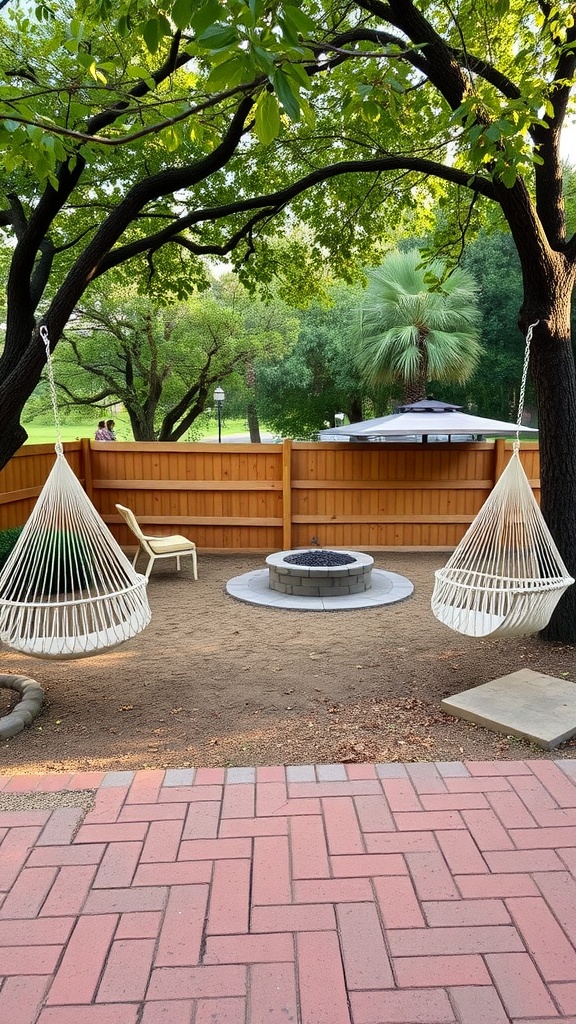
(213, 681)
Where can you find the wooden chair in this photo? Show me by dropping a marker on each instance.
(174, 546)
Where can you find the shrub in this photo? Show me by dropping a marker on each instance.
(8, 540)
(68, 557)
(67, 573)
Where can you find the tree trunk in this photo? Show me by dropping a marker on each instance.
(415, 388)
(554, 375)
(355, 413)
(12, 437)
(253, 424)
(413, 391)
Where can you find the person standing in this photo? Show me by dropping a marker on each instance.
(110, 428)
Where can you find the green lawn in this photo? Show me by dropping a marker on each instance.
(45, 432)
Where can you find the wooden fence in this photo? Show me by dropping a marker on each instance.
(271, 497)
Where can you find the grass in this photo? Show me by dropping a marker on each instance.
(44, 431)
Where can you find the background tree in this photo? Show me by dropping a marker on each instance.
(161, 363)
(416, 325)
(273, 327)
(230, 116)
(299, 395)
(494, 264)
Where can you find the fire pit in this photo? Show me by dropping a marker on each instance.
(319, 573)
(319, 580)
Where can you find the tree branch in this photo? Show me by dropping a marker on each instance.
(269, 204)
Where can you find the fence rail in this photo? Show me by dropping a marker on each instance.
(271, 497)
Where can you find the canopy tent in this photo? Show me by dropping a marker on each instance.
(426, 419)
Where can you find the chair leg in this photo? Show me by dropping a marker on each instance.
(149, 566)
(178, 563)
(135, 559)
(195, 565)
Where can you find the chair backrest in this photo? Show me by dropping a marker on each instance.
(129, 517)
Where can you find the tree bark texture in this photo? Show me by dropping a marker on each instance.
(554, 377)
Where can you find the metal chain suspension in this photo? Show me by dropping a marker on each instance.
(50, 370)
(516, 445)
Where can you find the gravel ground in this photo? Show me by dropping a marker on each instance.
(214, 681)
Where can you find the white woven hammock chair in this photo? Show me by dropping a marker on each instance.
(67, 589)
(506, 575)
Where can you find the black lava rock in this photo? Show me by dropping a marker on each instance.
(319, 557)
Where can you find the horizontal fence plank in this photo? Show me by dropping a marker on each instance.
(200, 520)
(28, 492)
(189, 485)
(391, 485)
(375, 518)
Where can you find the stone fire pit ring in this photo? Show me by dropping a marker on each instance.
(352, 576)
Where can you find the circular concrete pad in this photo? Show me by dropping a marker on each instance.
(387, 588)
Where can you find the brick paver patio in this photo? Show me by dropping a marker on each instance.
(327, 894)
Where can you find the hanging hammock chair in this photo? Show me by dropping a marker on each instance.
(67, 589)
(506, 575)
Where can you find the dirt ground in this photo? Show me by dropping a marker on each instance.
(213, 681)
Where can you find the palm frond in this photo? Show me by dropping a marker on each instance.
(406, 329)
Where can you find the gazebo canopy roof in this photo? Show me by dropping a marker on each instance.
(423, 419)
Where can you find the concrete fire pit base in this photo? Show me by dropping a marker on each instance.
(387, 588)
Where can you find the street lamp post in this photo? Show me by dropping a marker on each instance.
(219, 397)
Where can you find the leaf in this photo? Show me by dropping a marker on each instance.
(286, 94)
(151, 34)
(267, 121)
(289, 32)
(96, 74)
(137, 71)
(228, 73)
(508, 177)
(171, 138)
(299, 19)
(154, 30)
(181, 13)
(370, 111)
(124, 24)
(492, 132)
(298, 75)
(205, 15)
(218, 37)
(256, 8)
(263, 59)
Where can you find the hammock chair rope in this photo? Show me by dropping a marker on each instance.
(67, 589)
(506, 575)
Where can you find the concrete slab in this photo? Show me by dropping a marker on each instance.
(529, 704)
(387, 588)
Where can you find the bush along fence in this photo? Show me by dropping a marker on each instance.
(272, 497)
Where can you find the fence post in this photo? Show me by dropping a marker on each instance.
(499, 457)
(287, 494)
(87, 467)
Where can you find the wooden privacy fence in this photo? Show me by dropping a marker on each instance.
(271, 497)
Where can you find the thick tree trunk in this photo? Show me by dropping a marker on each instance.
(12, 437)
(554, 375)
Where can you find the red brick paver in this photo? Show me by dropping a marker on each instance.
(357, 894)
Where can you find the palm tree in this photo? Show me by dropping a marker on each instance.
(417, 326)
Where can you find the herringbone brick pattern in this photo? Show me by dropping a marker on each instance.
(330, 894)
